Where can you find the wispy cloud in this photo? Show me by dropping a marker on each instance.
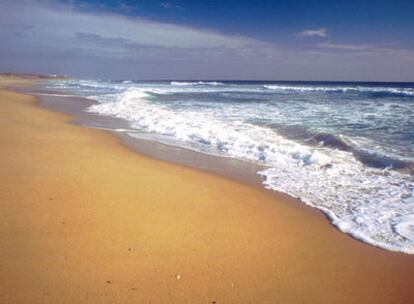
(346, 47)
(322, 32)
(169, 5)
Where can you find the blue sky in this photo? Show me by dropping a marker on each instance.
(142, 39)
(274, 21)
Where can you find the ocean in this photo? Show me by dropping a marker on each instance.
(344, 148)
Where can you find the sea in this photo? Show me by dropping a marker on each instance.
(345, 148)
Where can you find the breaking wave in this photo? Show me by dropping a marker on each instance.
(198, 83)
(375, 91)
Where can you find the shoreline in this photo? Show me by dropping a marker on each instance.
(235, 169)
(226, 167)
(89, 220)
(155, 148)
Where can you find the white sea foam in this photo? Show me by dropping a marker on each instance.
(374, 205)
(196, 83)
(213, 86)
(287, 88)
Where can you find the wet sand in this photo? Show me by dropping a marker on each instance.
(84, 219)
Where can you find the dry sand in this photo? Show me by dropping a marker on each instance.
(85, 220)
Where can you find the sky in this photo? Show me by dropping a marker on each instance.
(225, 40)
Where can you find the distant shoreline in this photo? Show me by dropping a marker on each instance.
(32, 76)
(57, 76)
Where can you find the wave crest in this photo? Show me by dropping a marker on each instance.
(375, 91)
(196, 83)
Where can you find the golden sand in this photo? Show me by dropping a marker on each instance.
(85, 220)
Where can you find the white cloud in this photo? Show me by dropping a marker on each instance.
(322, 32)
(346, 47)
(168, 5)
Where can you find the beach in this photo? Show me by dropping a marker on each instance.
(84, 219)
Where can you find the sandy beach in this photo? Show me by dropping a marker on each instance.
(83, 219)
